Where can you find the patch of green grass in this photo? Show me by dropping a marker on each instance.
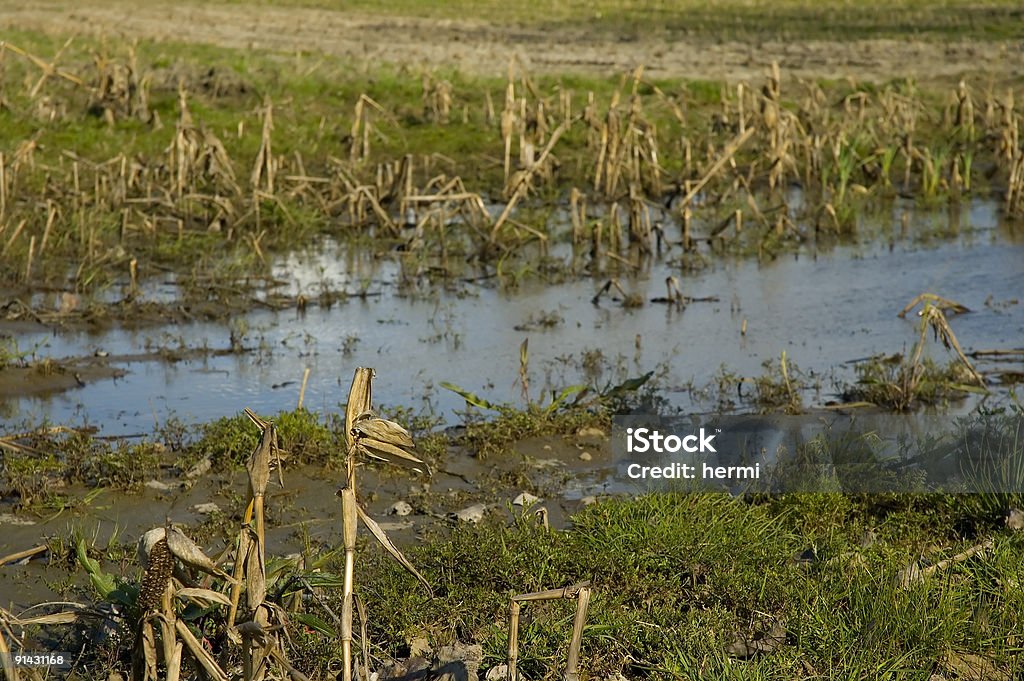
(303, 436)
(308, 437)
(679, 578)
(495, 437)
(29, 476)
(892, 383)
(56, 458)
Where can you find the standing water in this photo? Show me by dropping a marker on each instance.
(824, 309)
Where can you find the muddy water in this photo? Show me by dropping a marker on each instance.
(824, 308)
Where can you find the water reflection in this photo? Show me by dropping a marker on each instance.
(824, 308)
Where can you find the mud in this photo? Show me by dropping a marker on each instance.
(481, 46)
(304, 512)
(20, 312)
(47, 377)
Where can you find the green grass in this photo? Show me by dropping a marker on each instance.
(680, 581)
(678, 577)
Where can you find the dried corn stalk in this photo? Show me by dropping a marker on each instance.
(578, 592)
(372, 437)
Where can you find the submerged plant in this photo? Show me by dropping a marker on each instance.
(901, 381)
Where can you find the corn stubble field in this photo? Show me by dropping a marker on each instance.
(125, 162)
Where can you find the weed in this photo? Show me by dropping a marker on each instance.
(898, 382)
(885, 381)
(779, 388)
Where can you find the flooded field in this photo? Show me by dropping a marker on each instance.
(826, 308)
(802, 237)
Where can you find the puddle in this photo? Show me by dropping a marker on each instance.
(824, 308)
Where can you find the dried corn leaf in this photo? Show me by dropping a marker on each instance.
(260, 423)
(359, 399)
(208, 595)
(170, 643)
(255, 574)
(391, 548)
(55, 618)
(369, 425)
(144, 659)
(6, 661)
(938, 301)
(258, 465)
(388, 453)
(173, 663)
(189, 553)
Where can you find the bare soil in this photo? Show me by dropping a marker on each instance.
(305, 509)
(52, 377)
(479, 46)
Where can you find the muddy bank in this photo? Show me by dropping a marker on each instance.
(304, 513)
(42, 378)
(29, 311)
(53, 376)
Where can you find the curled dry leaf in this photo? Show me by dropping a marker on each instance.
(379, 450)
(55, 618)
(368, 424)
(207, 595)
(386, 441)
(189, 553)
